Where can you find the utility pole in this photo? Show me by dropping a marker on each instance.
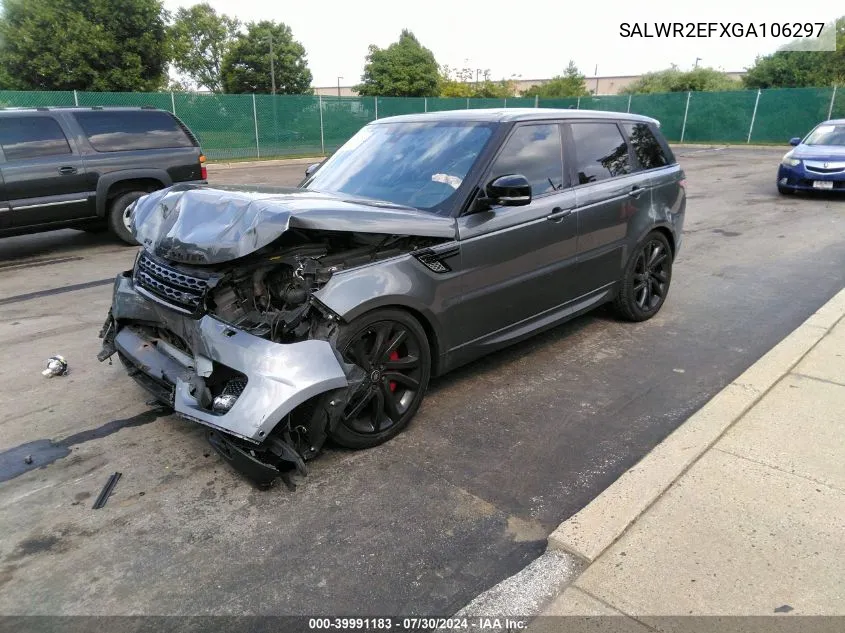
(272, 68)
(597, 81)
(697, 59)
(338, 86)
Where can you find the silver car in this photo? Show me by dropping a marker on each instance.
(280, 318)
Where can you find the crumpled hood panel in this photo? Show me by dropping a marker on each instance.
(198, 224)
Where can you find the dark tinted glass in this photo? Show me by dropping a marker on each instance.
(648, 151)
(600, 150)
(115, 131)
(31, 137)
(414, 164)
(535, 152)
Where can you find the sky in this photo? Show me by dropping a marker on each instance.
(531, 40)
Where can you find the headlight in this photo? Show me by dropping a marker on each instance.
(788, 161)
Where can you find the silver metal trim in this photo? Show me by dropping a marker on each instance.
(48, 204)
(829, 167)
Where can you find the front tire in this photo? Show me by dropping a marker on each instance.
(785, 191)
(645, 282)
(392, 349)
(119, 216)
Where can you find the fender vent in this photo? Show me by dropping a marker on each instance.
(434, 260)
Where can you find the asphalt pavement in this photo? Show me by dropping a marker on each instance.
(501, 452)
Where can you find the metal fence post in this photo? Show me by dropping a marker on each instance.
(255, 119)
(376, 108)
(76, 98)
(506, 104)
(322, 134)
(832, 99)
(686, 111)
(173, 103)
(536, 101)
(629, 102)
(425, 104)
(578, 104)
(753, 116)
(467, 103)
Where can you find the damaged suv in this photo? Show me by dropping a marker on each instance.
(280, 318)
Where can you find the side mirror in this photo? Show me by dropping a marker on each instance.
(513, 190)
(309, 171)
(795, 141)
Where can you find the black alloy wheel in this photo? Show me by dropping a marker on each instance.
(391, 349)
(645, 284)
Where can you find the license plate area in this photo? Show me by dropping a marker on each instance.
(822, 184)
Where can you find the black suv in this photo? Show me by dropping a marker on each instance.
(84, 167)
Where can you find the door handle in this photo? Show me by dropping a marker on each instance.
(558, 214)
(67, 171)
(636, 192)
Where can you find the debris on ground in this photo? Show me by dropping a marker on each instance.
(27, 459)
(56, 366)
(106, 491)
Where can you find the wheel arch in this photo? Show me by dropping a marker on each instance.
(420, 313)
(113, 185)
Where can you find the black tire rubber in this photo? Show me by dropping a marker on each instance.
(625, 304)
(785, 191)
(342, 434)
(118, 206)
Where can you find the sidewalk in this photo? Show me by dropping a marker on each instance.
(740, 512)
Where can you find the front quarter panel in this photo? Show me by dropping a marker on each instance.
(400, 282)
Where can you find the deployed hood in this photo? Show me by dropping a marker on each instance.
(198, 224)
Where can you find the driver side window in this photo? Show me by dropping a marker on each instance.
(535, 151)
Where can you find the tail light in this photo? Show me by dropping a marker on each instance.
(203, 169)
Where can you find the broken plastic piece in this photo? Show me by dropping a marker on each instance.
(105, 493)
(56, 366)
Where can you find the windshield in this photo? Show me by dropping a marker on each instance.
(412, 164)
(827, 135)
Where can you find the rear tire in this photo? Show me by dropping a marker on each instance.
(119, 216)
(645, 282)
(393, 350)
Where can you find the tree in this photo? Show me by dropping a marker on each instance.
(108, 45)
(569, 84)
(461, 83)
(246, 65)
(199, 38)
(403, 69)
(675, 80)
(789, 68)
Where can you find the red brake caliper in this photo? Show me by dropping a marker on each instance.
(394, 355)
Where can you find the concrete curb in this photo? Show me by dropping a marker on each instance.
(307, 160)
(591, 531)
(582, 538)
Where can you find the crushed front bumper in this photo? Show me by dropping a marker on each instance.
(279, 377)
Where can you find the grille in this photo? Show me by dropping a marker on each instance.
(170, 286)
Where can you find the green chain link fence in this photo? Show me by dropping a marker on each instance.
(264, 126)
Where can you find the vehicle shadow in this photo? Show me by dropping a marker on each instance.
(55, 244)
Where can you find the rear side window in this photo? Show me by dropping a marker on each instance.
(647, 149)
(600, 152)
(32, 137)
(535, 152)
(115, 131)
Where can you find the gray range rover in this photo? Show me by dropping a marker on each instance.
(280, 318)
